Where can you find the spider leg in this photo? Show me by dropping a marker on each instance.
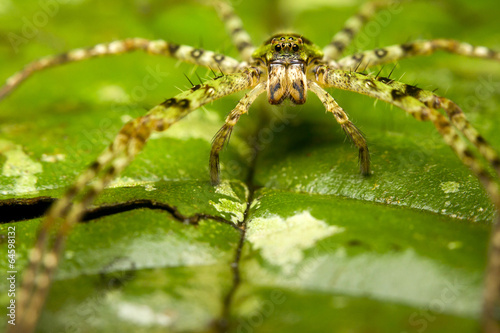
(394, 53)
(68, 210)
(414, 100)
(185, 53)
(352, 27)
(491, 292)
(225, 132)
(352, 132)
(234, 26)
(423, 106)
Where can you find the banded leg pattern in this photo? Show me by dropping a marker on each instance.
(351, 28)
(491, 293)
(394, 53)
(185, 53)
(351, 131)
(225, 132)
(234, 26)
(422, 105)
(67, 211)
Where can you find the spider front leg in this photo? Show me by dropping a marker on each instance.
(67, 211)
(225, 132)
(423, 106)
(185, 53)
(394, 53)
(234, 26)
(352, 132)
(352, 27)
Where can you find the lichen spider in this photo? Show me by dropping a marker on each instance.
(391, 91)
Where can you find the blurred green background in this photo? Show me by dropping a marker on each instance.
(401, 251)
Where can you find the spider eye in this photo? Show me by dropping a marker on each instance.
(295, 47)
(277, 47)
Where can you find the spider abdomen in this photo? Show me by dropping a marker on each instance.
(286, 81)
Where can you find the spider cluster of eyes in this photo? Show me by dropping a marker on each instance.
(281, 43)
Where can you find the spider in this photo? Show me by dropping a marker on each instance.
(283, 69)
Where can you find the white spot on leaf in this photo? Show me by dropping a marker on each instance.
(234, 208)
(20, 166)
(450, 187)
(225, 188)
(53, 158)
(142, 315)
(282, 241)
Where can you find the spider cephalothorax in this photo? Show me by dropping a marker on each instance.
(286, 66)
(286, 58)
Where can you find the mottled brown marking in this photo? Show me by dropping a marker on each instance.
(380, 53)
(369, 83)
(385, 80)
(413, 91)
(397, 94)
(237, 30)
(196, 53)
(94, 166)
(228, 15)
(454, 112)
(219, 58)
(243, 46)
(408, 47)
(362, 18)
(111, 170)
(61, 58)
(480, 139)
(348, 31)
(72, 191)
(160, 125)
(128, 129)
(183, 103)
(338, 45)
(496, 163)
(358, 57)
(172, 48)
(169, 102)
(468, 153)
(142, 133)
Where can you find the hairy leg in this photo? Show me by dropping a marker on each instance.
(423, 105)
(414, 100)
(67, 211)
(352, 132)
(234, 26)
(394, 53)
(352, 27)
(225, 132)
(158, 47)
(491, 292)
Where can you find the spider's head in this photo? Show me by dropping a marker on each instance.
(287, 57)
(287, 49)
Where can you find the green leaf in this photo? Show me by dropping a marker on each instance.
(403, 250)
